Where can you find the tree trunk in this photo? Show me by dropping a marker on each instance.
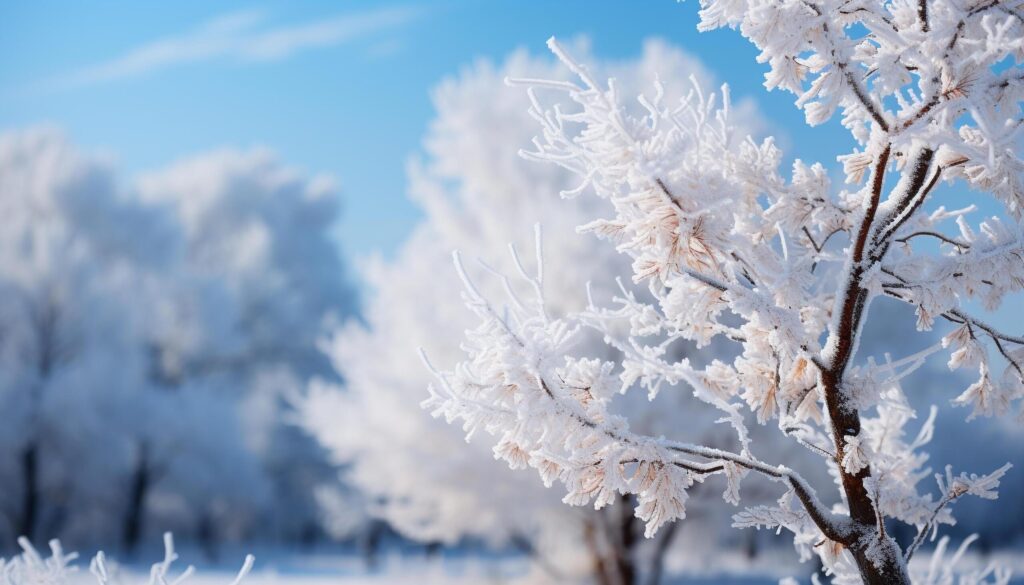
(432, 549)
(611, 537)
(30, 497)
(45, 321)
(890, 568)
(661, 548)
(624, 547)
(370, 545)
(207, 535)
(879, 559)
(599, 564)
(750, 544)
(138, 490)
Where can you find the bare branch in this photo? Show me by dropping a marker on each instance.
(942, 237)
(923, 531)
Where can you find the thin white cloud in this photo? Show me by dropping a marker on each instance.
(243, 36)
(385, 48)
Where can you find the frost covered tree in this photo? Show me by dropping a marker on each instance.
(72, 366)
(260, 281)
(786, 269)
(137, 377)
(478, 195)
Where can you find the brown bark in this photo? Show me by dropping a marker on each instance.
(844, 417)
(878, 558)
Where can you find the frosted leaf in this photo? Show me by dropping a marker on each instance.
(661, 493)
(734, 474)
(983, 486)
(986, 396)
(855, 454)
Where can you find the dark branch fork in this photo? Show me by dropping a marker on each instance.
(872, 239)
(849, 306)
(845, 419)
(907, 201)
(874, 235)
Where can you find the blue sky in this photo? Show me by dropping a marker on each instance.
(335, 87)
(341, 88)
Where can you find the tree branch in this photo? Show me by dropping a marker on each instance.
(942, 237)
(922, 532)
(873, 109)
(905, 204)
(958, 316)
(830, 525)
(849, 308)
(936, 98)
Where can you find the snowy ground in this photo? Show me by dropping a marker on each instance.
(274, 567)
(406, 573)
(327, 569)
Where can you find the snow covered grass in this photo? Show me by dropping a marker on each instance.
(31, 568)
(396, 568)
(61, 568)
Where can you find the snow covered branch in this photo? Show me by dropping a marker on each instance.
(576, 403)
(724, 247)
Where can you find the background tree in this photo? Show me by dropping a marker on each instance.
(260, 282)
(478, 195)
(149, 334)
(76, 278)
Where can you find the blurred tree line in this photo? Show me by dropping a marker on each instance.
(153, 335)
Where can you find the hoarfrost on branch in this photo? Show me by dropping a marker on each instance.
(785, 268)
